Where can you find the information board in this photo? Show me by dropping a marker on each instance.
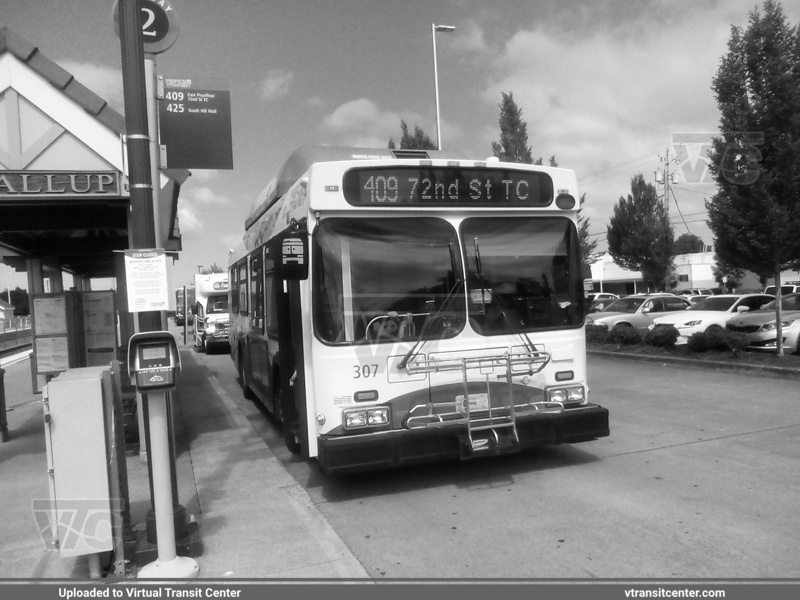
(194, 121)
(146, 276)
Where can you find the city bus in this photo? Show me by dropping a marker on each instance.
(211, 319)
(180, 319)
(392, 307)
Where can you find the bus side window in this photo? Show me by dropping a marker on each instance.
(257, 293)
(242, 279)
(270, 297)
(234, 290)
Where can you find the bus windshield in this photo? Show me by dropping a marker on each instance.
(380, 280)
(523, 274)
(217, 304)
(398, 279)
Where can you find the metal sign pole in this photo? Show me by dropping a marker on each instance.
(143, 235)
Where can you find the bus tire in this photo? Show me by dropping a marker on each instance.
(291, 427)
(246, 391)
(292, 439)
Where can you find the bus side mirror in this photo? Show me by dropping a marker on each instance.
(293, 262)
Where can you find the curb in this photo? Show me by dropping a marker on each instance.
(763, 370)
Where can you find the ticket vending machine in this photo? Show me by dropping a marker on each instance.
(153, 365)
(153, 361)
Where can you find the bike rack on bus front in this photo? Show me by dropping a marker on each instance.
(491, 418)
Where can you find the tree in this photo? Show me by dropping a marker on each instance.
(640, 237)
(689, 243)
(18, 298)
(588, 246)
(419, 141)
(755, 213)
(513, 144)
(214, 268)
(731, 275)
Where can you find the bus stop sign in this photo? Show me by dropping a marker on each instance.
(194, 121)
(159, 24)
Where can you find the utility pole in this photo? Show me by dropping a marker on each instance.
(666, 178)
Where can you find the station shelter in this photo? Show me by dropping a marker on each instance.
(64, 198)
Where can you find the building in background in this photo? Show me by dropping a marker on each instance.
(691, 271)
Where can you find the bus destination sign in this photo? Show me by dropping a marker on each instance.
(446, 186)
(194, 117)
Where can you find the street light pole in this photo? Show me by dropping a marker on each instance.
(434, 29)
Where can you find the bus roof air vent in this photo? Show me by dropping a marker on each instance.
(421, 154)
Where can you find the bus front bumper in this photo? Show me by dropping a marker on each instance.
(397, 448)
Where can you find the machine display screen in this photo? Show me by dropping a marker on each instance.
(446, 186)
(153, 354)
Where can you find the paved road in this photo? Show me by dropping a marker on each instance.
(699, 479)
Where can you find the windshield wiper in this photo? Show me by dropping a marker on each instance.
(505, 309)
(446, 304)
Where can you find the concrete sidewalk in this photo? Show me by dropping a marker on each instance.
(253, 519)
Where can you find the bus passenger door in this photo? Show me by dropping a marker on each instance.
(258, 343)
(271, 324)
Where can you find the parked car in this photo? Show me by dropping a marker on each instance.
(711, 313)
(601, 296)
(790, 287)
(697, 292)
(598, 301)
(759, 327)
(637, 311)
(695, 299)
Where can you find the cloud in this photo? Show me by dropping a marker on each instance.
(362, 123)
(196, 202)
(203, 195)
(617, 100)
(468, 38)
(276, 84)
(103, 80)
(606, 97)
(188, 220)
(231, 240)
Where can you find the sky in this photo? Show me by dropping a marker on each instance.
(611, 88)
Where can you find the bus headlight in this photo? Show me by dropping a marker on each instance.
(567, 395)
(359, 418)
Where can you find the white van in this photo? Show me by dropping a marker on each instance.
(211, 320)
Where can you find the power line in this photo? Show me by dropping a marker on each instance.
(692, 191)
(596, 179)
(634, 162)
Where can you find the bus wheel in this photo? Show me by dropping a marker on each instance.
(246, 391)
(292, 439)
(291, 427)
